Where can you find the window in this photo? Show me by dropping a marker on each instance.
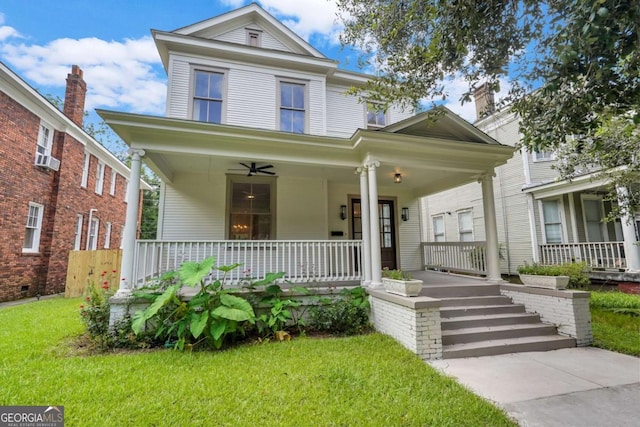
(254, 38)
(438, 228)
(45, 138)
(107, 236)
(252, 209)
(207, 96)
(112, 187)
(33, 228)
(92, 243)
(77, 241)
(85, 171)
(465, 226)
(99, 178)
(593, 212)
(292, 107)
(541, 156)
(376, 117)
(552, 221)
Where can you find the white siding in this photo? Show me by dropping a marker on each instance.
(344, 113)
(239, 36)
(301, 209)
(178, 90)
(397, 114)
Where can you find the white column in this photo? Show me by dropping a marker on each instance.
(374, 218)
(631, 248)
(491, 228)
(131, 225)
(365, 224)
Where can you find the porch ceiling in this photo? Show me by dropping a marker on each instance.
(428, 164)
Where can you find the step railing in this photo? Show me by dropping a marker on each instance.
(597, 255)
(302, 261)
(467, 257)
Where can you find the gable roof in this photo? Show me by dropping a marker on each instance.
(244, 16)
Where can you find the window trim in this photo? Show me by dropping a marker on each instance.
(192, 90)
(35, 248)
(603, 227)
(77, 240)
(444, 229)
(251, 32)
(112, 186)
(99, 189)
(48, 142)
(92, 243)
(107, 236)
(563, 221)
(537, 156)
(305, 84)
(85, 170)
(366, 116)
(460, 232)
(271, 180)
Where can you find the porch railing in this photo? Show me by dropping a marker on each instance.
(468, 257)
(303, 261)
(598, 255)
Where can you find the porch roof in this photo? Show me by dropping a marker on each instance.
(431, 156)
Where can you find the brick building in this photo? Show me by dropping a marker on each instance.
(60, 190)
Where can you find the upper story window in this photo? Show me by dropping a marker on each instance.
(85, 170)
(112, 187)
(208, 96)
(376, 117)
(465, 226)
(33, 228)
(251, 208)
(45, 140)
(541, 156)
(99, 178)
(438, 228)
(254, 37)
(292, 106)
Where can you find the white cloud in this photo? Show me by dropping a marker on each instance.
(124, 75)
(307, 17)
(7, 31)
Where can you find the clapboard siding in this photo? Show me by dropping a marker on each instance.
(344, 113)
(178, 90)
(301, 209)
(239, 36)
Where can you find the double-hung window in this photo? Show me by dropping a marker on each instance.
(77, 239)
(252, 208)
(112, 187)
(92, 243)
(292, 107)
(33, 228)
(438, 228)
(552, 220)
(542, 156)
(465, 226)
(85, 170)
(376, 117)
(99, 178)
(107, 236)
(45, 139)
(208, 96)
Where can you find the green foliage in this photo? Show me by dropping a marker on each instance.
(95, 315)
(577, 272)
(616, 302)
(396, 274)
(616, 331)
(342, 317)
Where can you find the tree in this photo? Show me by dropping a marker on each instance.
(573, 68)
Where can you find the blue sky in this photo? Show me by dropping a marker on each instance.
(110, 40)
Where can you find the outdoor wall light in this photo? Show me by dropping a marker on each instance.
(397, 178)
(343, 212)
(405, 214)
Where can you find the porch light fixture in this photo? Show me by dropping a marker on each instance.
(397, 178)
(343, 212)
(405, 214)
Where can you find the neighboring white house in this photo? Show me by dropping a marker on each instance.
(540, 218)
(265, 160)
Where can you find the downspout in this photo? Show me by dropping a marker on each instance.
(91, 211)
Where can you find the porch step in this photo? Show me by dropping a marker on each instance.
(474, 301)
(479, 310)
(484, 333)
(509, 345)
(460, 290)
(463, 322)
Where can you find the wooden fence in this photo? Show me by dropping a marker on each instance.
(87, 267)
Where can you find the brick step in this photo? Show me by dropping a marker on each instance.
(479, 310)
(474, 301)
(460, 290)
(484, 333)
(450, 323)
(510, 345)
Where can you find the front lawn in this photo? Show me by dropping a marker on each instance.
(365, 380)
(615, 319)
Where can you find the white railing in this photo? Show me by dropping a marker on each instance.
(598, 255)
(468, 257)
(302, 261)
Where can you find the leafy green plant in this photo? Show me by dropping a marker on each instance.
(577, 272)
(210, 317)
(616, 302)
(396, 274)
(95, 314)
(341, 317)
(357, 296)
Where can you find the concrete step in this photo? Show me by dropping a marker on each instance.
(484, 333)
(510, 345)
(474, 301)
(450, 323)
(479, 310)
(460, 290)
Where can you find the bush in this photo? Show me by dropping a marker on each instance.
(577, 272)
(616, 302)
(340, 317)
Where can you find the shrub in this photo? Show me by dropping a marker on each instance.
(95, 315)
(577, 272)
(341, 317)
(396, 274)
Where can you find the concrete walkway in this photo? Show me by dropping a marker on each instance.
(568, 387)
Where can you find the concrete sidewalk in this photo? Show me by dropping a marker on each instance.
(568, 387)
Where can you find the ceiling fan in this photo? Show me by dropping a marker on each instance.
(254, 170)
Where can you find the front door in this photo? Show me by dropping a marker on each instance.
(386, 213)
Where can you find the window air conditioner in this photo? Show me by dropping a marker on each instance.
(48, 162)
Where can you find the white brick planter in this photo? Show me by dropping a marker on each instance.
(567, 309)
(412, 321)
(407, 288)
(546, 282)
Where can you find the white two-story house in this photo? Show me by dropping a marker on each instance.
(265, 160)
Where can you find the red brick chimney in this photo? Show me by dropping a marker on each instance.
(485, 101)
(74, 96)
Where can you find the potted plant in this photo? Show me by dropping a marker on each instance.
(400, 283)
(543, 276)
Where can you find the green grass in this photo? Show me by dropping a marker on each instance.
(365, 380)
(615, 319)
